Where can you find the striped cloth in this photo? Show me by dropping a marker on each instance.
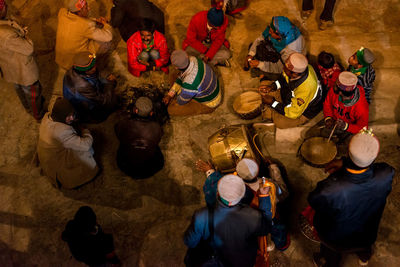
(198, 82)
(366, 80)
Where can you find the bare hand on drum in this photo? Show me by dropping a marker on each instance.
(203, 166)
(254, 63)
(264, 190)
(329, 123)
(264, 89)
(334, 165)
(267, 99)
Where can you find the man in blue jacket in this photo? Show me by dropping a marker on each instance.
(349, 203)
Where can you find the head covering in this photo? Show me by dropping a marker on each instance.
(363, 148)
(144, 106)
(365, 56)
(297, 63)
(61, 109)
(85, 219)
(84, 61)
(286, 30)
(346, 81)
(215, 17)
(76, 5)
(231, 189)
(2, 4)
(247, 169)
(180, 59)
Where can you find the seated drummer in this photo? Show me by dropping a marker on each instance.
(197, 89)
(295, 97)
(346, 107)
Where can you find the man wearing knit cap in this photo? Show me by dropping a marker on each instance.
(76, 32)
(236, 226)
(295, 97)
(147, 50)
(360, 63)
(206, 37)
(18, 65)
(92, 96)
(346, 107)
(139, 155)
(196, 90)
(65, 156)
(349, 203)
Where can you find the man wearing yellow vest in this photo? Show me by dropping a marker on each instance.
(295, 97)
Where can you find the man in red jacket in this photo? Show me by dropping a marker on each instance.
(147, 50)
(346, 107)
(206, 37)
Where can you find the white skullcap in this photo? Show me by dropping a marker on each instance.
(247, 169)
(231, 188)
(297, 63)
(363, 148)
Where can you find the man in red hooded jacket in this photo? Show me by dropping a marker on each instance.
(147, 50)
(206, 37)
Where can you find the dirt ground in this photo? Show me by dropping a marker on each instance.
(148, 217)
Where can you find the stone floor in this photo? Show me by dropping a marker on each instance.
(148, 217)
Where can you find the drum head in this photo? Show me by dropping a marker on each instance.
(317, 151)
(247, 102)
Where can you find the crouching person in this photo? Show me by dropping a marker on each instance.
(139, 155)
(91, 95)
(197, 88)
(65, 157)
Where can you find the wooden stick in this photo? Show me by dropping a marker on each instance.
(333, 130)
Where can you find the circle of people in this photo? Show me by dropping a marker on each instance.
(292, 91)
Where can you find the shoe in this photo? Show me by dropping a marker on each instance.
(318, 260)
(362, 263)
(324, 24)
(305, 14)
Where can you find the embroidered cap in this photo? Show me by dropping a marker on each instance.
(84, 61)
(247, 169)
(346, 81)
(180, 59)
(363, 148)
(231, 189)
(297, 63)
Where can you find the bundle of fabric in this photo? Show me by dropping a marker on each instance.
(267, 52)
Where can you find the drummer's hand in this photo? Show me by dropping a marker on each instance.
(254, 63)
(203, 166)
(329, 123)
(264, 190)
(342, 125)
(264, 89)
(267, 99)
(334, 165)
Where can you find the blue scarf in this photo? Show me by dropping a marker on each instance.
(285, 29)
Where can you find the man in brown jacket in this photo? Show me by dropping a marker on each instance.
(17, 64)
(65, 156)
(78, 33)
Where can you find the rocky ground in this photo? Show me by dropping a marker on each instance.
(148, 217)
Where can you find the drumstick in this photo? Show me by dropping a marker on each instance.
(334, 127)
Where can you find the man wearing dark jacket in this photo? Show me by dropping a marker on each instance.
(91, 95)
(349, 203)
(126, 15)
(236, 226)
(139, 155)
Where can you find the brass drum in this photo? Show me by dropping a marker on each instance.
(317, 152)
(228, 145)
(248, 105)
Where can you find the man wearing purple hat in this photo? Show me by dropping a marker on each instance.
(206, 37)
(349, 203)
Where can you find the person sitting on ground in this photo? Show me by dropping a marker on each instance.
(236, 226)
(270, 50)
(328, 71)
(249, 171)
(349, 203)
(206, 37)
(91, 95)
(87, 241)
(126, 15)
(65, 156)
(231, 7)
(147, 50)
(361, 65)
(18, 65)
(197, 88)
(346, 107)
(139, 155)
(78, 33)
(295, 97)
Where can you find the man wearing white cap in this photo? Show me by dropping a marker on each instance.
(236, 226)
(346, 106)
(295, 97)
(349, 203)
(78, 33)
